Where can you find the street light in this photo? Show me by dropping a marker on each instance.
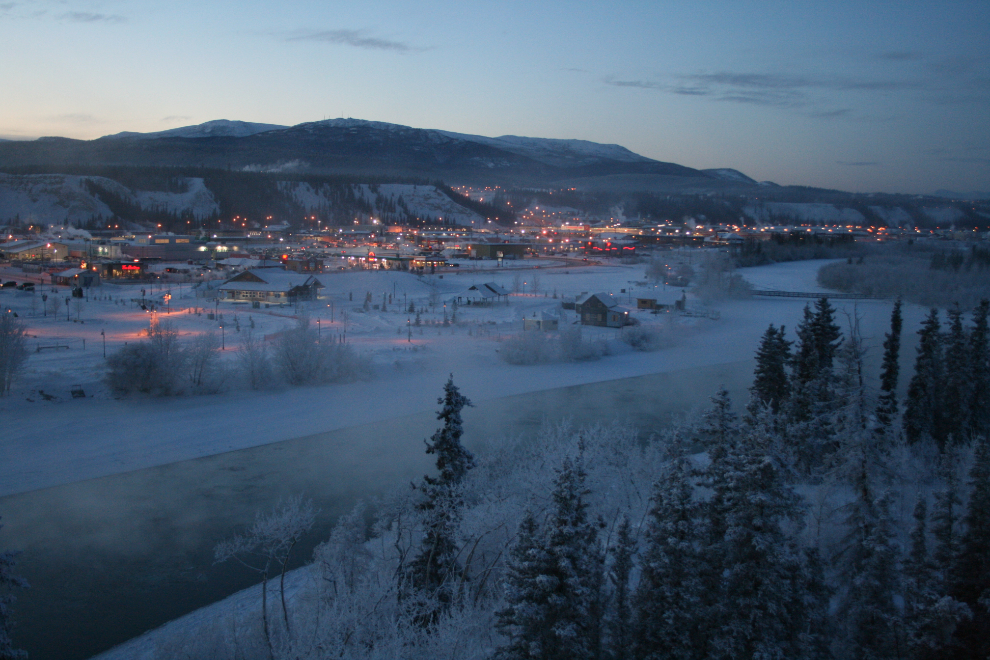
(223, 339)
(104, 335)
(319, 332)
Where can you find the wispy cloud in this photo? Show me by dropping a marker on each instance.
(943, 81)
(354, 38)
(92, 17)
(859, 163)
(76, 118)
(175, 118)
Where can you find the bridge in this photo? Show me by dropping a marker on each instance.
(800, 294)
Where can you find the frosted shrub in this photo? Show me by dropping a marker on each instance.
(645, 338)
(718, 279)
(301, 359)
(528, 348)
(157, 366)
(540, 348)
(13, 350)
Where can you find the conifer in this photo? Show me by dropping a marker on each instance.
(887, 405)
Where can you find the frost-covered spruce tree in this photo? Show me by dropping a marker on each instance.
(868, 608)
(930, 616)
(8, 580)
(957, 380)
(770, 380)
(945, 520)
(922, 410)
(826, 332)
(619, 615)
(720, 430)
(554, 580)
(431, 573)
(971, 574)
(671, 597)
(757, 614)
(887, 404)
(979, 355)
(805, 369)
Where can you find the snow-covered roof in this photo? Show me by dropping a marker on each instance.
(487, 290)
(272, 279)
(71, 272)
(605, 298)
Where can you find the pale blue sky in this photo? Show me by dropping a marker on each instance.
(862, 96)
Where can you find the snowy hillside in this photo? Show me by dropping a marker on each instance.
(65, 199)
(215, 128)
(389, 201)
(813, 213)
(554, 151)
(49, 198)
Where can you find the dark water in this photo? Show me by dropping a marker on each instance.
(110, 558)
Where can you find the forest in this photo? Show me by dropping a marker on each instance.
(825, 519)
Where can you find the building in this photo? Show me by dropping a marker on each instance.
(542, 321)
(270, 285)
(43, 251)
(601, 309)
(498, 250)
(482, 294)
(77, 277)
(163, 246)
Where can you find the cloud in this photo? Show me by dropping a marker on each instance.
(859, 163)
(174, 118)
(91, 17)
(76, 118)
(355, 38)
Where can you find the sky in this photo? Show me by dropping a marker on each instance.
(861, 96)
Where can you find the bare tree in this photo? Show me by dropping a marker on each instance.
(268, 544)
(13, 350)
(254, 361)
(203, 359)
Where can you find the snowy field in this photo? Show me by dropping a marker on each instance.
(51, 438)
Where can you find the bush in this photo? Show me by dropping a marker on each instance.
(13, 351)
(301, 359)
(540, 348)
(647, 338)
(157, 366)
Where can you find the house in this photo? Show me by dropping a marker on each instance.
(663, 303)
(77, 277)
(270, 285)
(482, 294)
(601, 309)
(44, 251)
(542, 321)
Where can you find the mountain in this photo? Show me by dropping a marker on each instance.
(366, 148)
(215, 128)
(729, 174)
(951, 194)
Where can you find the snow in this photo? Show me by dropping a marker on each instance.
(197, 199)
(894, 216)
(729, 174)
(813, 213)
(149, 432)
(215, 128)
(64, 199)
(49, 198)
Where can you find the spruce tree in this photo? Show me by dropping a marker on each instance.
(671, 596)
(956, 387)
(887, 405)
(922, 410)
(979, 361)
(430, 574)
(757, 614)
(826, 332)
(620, 612)
(945, 521)
(971, 574)
(9, 580)
(554, 580)
(770, 381)
(868, 609)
